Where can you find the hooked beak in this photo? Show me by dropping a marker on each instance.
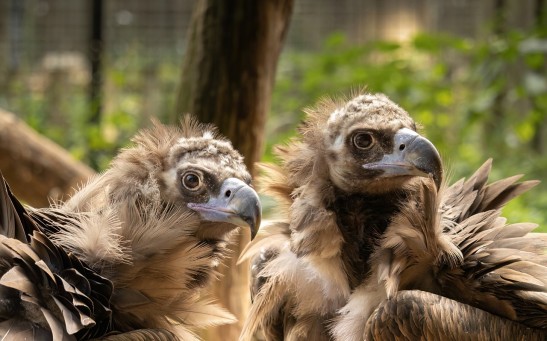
(413, 155)
(237, 203)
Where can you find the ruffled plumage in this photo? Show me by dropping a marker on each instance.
(351, 249)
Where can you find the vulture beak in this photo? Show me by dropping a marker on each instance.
(413, 155)
(237, 203)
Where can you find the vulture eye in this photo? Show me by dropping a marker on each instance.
(363, 140)
(191, 181)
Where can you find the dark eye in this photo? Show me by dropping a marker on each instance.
(363, 140)
(191, 181)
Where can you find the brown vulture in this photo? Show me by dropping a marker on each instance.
(128, 257)
(371, 244)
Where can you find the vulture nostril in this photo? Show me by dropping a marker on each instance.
(402, 146)
(228, 193)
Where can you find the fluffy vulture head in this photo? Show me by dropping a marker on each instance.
(372, 146)
(366, 145)
(195, 167)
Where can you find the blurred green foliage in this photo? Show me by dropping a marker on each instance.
(135, 88)
(475, 99)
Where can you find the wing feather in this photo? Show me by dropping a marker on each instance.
(502, 267)
(418, 315)
(47, 287)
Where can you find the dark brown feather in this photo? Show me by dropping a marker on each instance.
(495, 254)
(43, 284)
(418, 315)
(142, 335)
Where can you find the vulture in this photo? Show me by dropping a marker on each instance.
(370, 242)
(130, 254)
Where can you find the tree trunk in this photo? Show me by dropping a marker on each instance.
(95, 56)
(496, 120)
(227, 79)
(37, 169)
(539, 139)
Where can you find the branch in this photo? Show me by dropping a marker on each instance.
(36, 168)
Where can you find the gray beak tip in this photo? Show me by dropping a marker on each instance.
(256, 226)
